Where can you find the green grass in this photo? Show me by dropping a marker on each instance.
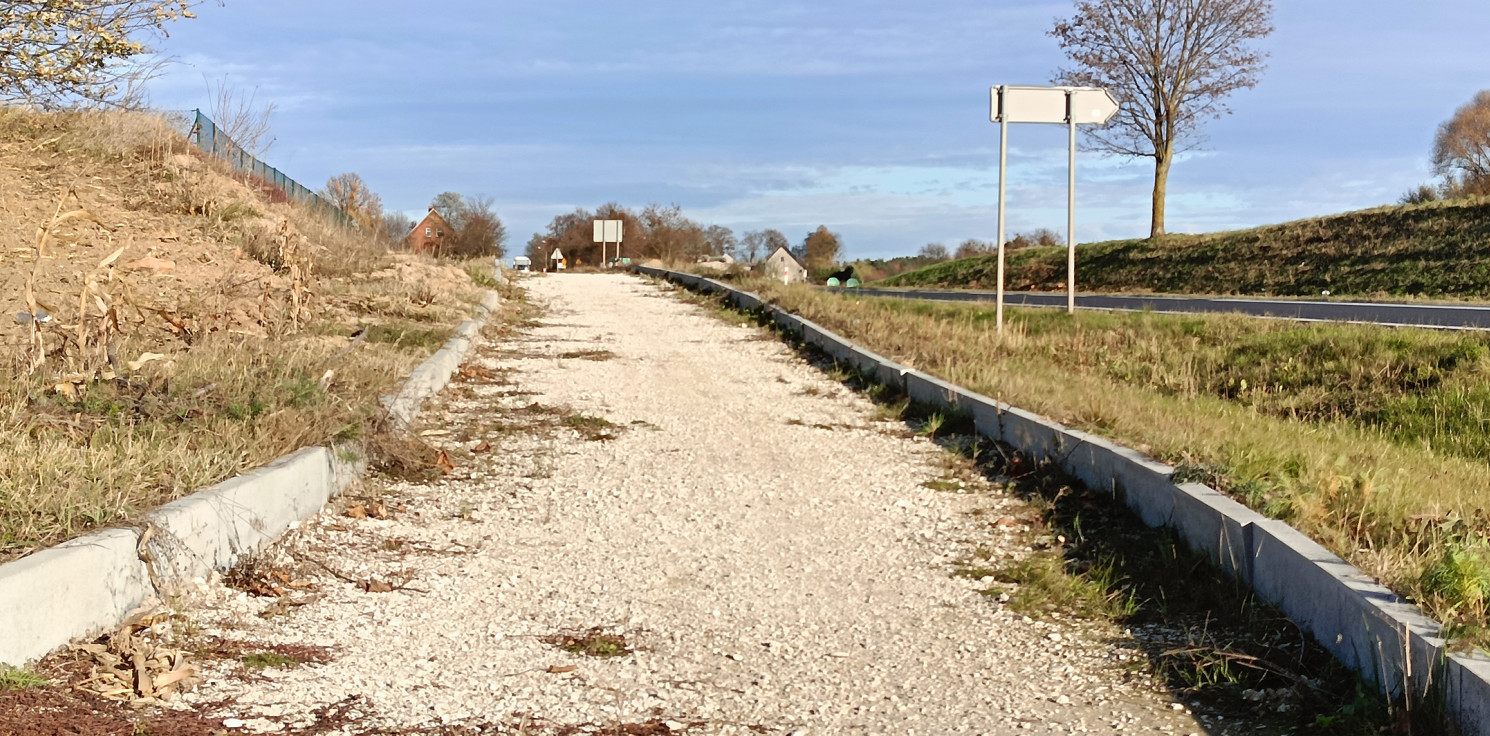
(590, 427)
(17, 678)
(1438, 249)
(1047, 585)
(592, 643)
(1371, 440)
(403, 334)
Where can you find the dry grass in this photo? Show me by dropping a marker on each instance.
(1408, 512)
(199, 323)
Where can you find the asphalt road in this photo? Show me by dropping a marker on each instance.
(1443, 316)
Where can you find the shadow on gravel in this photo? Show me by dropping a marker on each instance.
(1238, 663)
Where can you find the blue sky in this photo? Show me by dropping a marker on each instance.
(868, 117)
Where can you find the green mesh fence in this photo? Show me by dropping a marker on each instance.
(207, 136)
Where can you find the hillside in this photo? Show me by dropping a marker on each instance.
(1438, 249)
(169, 322)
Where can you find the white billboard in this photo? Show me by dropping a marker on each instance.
(607, 231)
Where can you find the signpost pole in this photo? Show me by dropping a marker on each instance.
(1071, 206)
(1003, 175)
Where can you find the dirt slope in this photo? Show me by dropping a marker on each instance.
(166, 323)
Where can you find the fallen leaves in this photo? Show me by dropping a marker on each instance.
(373, 510)
(444, 463)
(133, 664)
(377, 510)
(473, 372)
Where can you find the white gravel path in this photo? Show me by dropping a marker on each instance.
(766, 547)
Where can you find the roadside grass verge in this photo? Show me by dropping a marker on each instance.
(1370, 440)
(119, 447)
(109, 450)
(1431, 249)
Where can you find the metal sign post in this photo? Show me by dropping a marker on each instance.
(1071, 209)
(1071, 106)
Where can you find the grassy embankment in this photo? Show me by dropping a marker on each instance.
(1371, 440)
(220, 338)
(1438, 249)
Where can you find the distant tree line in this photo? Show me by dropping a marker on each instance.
(936, 252)
(664, 233)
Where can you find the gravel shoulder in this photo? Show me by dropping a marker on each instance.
(762, 547)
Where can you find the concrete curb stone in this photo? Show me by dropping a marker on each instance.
(86, 585)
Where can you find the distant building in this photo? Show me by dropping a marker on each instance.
(430, 235)
(781, 264)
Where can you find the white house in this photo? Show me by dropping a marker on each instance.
(781, 264)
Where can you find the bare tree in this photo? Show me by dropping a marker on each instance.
(774, 239)
(1170, 63)
(481, 232)
(451, 206)
(974, 247)
(721, 240)
(395, 227)
(55, 52)
(934, 252)
(350, 193)
(1461, 150)
(752, 243)
(1041, 237)
(671, 236)
(241, 115)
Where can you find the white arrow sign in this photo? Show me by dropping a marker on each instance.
(1070, 106)
(1092, 105)
(1088, 105)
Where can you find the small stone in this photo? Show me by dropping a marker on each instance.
(233, 723)
(674, 725)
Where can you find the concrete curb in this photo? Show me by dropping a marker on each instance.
(434, 373)
(1366, 626)
(86, 585)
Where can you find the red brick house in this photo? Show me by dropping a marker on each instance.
(430, 235)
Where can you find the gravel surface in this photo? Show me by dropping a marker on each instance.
(763, 547)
